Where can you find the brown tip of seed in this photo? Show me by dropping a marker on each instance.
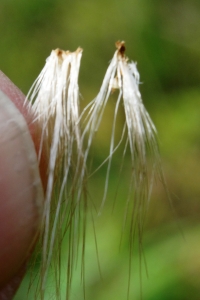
(61, 53)
(58, 52)
(120, 45)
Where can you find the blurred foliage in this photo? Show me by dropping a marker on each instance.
(163, 37)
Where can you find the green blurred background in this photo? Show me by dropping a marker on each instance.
(164, 38)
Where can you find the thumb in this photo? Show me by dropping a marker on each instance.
(21, 194)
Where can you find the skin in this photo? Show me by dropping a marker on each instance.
(22, 186)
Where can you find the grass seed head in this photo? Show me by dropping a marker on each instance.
(54, 100)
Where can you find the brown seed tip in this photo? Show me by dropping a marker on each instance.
(58, 52)
(120, 45)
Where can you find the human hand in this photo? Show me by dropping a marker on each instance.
(21, 191)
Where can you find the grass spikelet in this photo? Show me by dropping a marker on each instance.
(54, 100)
(139, 133)
(123, 75)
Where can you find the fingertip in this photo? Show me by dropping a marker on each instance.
(21, 192)
(18, 98)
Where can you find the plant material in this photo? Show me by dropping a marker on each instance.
(139, 132)
(124, 76)
(54, 99)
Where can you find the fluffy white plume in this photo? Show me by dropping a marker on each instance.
(54, 100)
(124, 76)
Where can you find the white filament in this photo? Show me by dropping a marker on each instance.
(54, 100)
(124, 76)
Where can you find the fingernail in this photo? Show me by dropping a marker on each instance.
(21, 193)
